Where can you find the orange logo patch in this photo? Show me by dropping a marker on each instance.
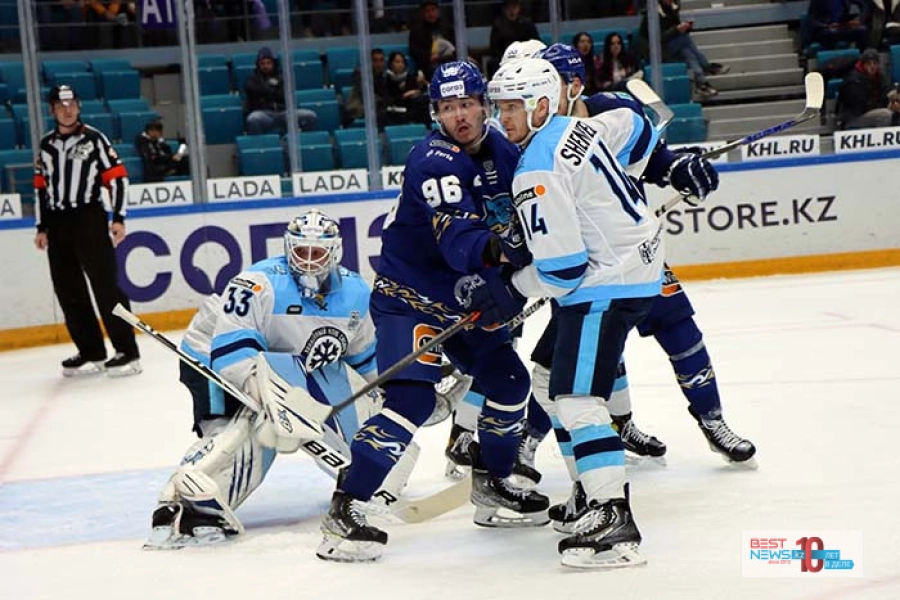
(422, 335)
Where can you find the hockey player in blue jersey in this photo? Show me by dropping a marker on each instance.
(598, 251)
(437, 242)
(295, 320)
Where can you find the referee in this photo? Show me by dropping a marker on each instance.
(74, 163)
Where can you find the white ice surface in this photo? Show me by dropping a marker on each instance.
(807, 367)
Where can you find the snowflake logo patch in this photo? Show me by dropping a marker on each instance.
(325, 346)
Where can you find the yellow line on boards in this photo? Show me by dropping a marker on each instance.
(44, 335)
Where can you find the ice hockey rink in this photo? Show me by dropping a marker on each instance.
(808, 370)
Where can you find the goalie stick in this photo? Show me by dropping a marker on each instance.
(815, 96)
(414, 510)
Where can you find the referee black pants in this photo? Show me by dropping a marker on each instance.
(79, 245)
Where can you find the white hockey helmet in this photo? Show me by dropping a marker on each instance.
(313, 248)
(529, 80)
(526, 49)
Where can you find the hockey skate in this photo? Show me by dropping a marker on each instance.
(564, 516)
(77, 366)
(177, 525)
(458, 452)
(123, 365)
(524, 465)
(606, 537)
(733, 448)
(348, 537)
(490, 494)
(639, 446)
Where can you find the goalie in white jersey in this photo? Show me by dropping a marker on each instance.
(598, 250)
(299, 320)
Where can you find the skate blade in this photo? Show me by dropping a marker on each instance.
(636, 460)
(490, 516)
(132, 368)
(567, 527)
(745, 465)
(162, 538)
(617, 557)
(338, 549)
(86, 370)
(456, 472)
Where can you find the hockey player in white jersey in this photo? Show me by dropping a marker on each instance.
(598, 250)
(297, 320)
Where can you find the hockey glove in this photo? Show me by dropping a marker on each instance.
(512, 247)
(693, 176)
(495, 298)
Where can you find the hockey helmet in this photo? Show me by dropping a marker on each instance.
(313, 248)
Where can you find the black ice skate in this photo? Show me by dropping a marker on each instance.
(177, 525)
(638, 444)
(490, 494)
(524, 465)
(123, 365)
(458, 452)
(733, 448)
(605, 537)
(78, 366)
(348, 537)
(564, 516)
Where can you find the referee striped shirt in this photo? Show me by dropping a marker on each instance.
(71, 170)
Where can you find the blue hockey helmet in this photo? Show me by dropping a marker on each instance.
(458, 79)
(566, 60)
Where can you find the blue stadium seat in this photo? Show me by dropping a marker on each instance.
(685, 130)
(240, 74)
(134, 166)
(249, 142)
(5, 94)
(316, 151)
(352, 148)
(305, 55)
(131, 123)
(126, 150)
(244, 58)
(669, 69)
(323, 102)
(13, 74)
(103, 121)
(7, 134)
(833, 87)
(52, 68)
(214, 80)
(92, 107)
(101, 65)
(304, 97)
(308, 75)
(83, 83)
(116, 85)
(212, 60)
(127, 104)
(261, 161)
(688, 110)
(399, 140)
(222, 125)
(677, 90)
(599, 36)
(341, 58)
(220, 101)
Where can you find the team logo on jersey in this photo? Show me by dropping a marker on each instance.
(530, 194)
(490, 172)
(649, 248)
(499, 212)
(81, 151)
(462, 291)
(325, 346)
(671, 285)
(423, 335)
(246, 284)
(294, 309)
(444, 144)
(354, 321)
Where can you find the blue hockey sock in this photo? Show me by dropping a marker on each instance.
(383, 439)
(683, 342)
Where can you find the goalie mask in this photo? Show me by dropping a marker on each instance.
(313, 248)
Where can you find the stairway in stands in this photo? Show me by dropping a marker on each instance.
(764, 86)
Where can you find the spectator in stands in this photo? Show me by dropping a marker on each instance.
(834, 21)
(617, 65)
(584, 43)
(679, 46)
(156, 154)
(863, 100)
(431, 40)
(406, 102)
(885, 23)
(265, 100)
(353, 107)
(114, 23)
(509, 26)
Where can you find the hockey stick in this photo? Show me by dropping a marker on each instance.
(332, 461)
(815, 96)
(385, 376)
(646, 96)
